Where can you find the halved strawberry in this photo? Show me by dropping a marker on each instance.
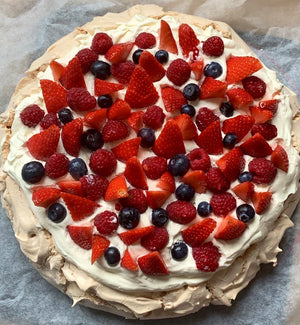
(240, 125)
(54, 95)
(173, 98)
(261, 201)
(43, 197)
(73, 76)
(72, 187)
(154, 69)
(260, 115)
(128, 262)
(117, 188)
(131, 236)
(134, 173)
(212, 88)
(187, 126)
(135, 120)
(280, 158)
(70, 135)
(156, 199)
(244, 190)
(127, 149)
(99, 245)
(120, 110)
(188, 40)
(57, 69)
(103, 87)
(271, 105)
(167, 182)
(153, 264)
(197, 179)
(239, 97)
(166, 39)
(119, 52)
(96, 118)
(230, 228)
(81, 235)
(197, 68)
(256, 146)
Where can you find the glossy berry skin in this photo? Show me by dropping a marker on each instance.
(129, 217)
(77, 168)
(245, 177)
(162, 56)
(92, 139)
(245, 212)
(179, 250)
(204, 209)
(56, 212)
(159, 217)
(148, 137)
(33, 172)
(230, 140)
(105, 101)
(184, 192)
(179, 165)
(136, 56)
(213, 69)
(65, 115)
(191, 91)
(112, 256)
(188, 109)
(226, 109)
(100, 69)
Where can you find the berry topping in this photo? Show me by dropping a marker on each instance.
(57, 165)
(205, 117)
(263, 170)
(270, 105)
(65, 115)
(213, 69)
(56, 212)
(136, 56)
(256, 146)
(173, 98)
(32, 115)
(230, 228)
(45, 196)
(181, 212)
(123, 71)
(119, 52)
(114, 130)
(240, 125)
(99, 245)
(199, 159)
(245, 212)
(216, 181)
(188, 109)
(204, 209)
(212, 88)
(206, 257)
(71, 135)
(239, 97)
(260, 115)
(167, 182)
(129, 217)
(244, 190)
(33, 172)
(147, 136)
(127, 149)
(267, 130)
(154, 117)
(197, 68)
(159, 217)
(106, 222)
(153, 264)
(131, 236)
(101, 43)
(73, 76)
(261, 201)
(156, 240)
(128, 262)
(135, 120)
(103, 162)
(77, 168)
(179, 72)
(154, 69)
(254, 86)
(245, 177)
(196, 179)
(145, 40)
(184, 192)
(230, 140)
(187, 127)
(162, 56)
(92, 139)
(213, 46)
(112, 256)
(117, 188)
(57, 70)
(222, 203)
(226, 109)
(72, 187)
(79, 99)
(191, 91)
(54, 95)
(156, 199)
(136, 199)
(166, 39)
(178, 165)
(103, 87)
(134, 173)
(280, 158)
(105, 101)
(154, 167)
(100, 69)
(81, 235)
(188, 40)
(48, 120)
(179, 251)
(86, 58)
(93, 186)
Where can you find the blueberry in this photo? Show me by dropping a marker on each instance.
(112, 255)
(136, 56)
(204, 209)
(230, 140)
(188, 109)
(184, 192)
(191, 91)
(100, 69)
(213, 69)
(33, 172)
(92, 139)
(77, 168)
(162, 56)
(159, 217)
(245, 177)
(129, 217)
(105, 101)
(148, 137)
(179, 250)
(57, 212)
(65, 115)
(226, 109)
(179, 165)
(245, 212)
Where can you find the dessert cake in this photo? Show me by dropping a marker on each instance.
(149, 163)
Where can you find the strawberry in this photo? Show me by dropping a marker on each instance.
(173, 98)
(188, 40)
(213, 46)
(197, 68)
(181, 212)
(212, 88)
(93, 186)
(43, 197)
(232, 164)
(178, 72)
(262, 170)
(197, 234)
(240, 67)
(101, 43)
(270, 105)
(205, 117)
(117, 188)
(267, 130)
(81, 235)
(54, 95)
(96, 118)
(170, 142)
(73, 76)
(70, 135)
(32, 115)
(240, 125)
(216, 181)
(256, 146)
(156, 240)
(153, 264)
(261, 201)
(99, 245)
(260, 115)
(156, 199)
(141, 91)
(106, 222)
(166, 182)
(57, 165)
(48, 120)
(210, 139)
(239, 97)
(154, 166)
(86, 58)
(135, 120)
(196, 179)
(222, 203)
(134, 173)
(244, 190)
(119, 52)
(131, 236)
(78, 206)
(114, 130)
(145, 40)
(137, 199)
(103, 87)
(199, 159)
(103, 162)
(72, 187)
(154, 69)
(127, 149)
(230, 228)
(42, 145)
(254, 86)
(79, 99)
(280, 158)
(122, 71)
(120, 110)
(187, 127)
(154, 117)
(128, 262)
(57, 69)
(166, 39)
(206, 257)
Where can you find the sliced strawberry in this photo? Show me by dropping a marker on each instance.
(72, 187)
(270, 105)
(280, 158)
(70, 135)
(131, 236)
(120, 110)
(166, 39)
(135, 120)
(43, 197)
(240, 125)
(261, 201)
(206, 257)
(187, 127)
(156, 240)
(173, 98)
(57, 70)
(81, 235)
(134, 173)
(54, 95)
(188, 40)
(256, 146)
(153, 264)
(212, 88)
(154, 69)
(73, 76)
(197, 179)
(117, 188)
(244, 190)
(128, 262)
(197, 68)
(167, 182)
(156, 199)
(239, 97)
(119, 52)
(230, 228)
(96, 118)
(122, 71)
(99, 245)
(127, 149)
(260, 115)
(103, 87)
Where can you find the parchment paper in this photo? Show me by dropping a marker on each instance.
(27, 28)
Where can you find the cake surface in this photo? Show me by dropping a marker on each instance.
(240, 258)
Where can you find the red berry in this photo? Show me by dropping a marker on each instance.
(181, 212)
(106, 222)
(270, 105)
(54, 95)
(256, 146)
(199, 159)
(101, 43)
(254, 86)
(117, 188)
(173, 98)
(216, 181)
(119, 52)
(213, 46)
(187, 127)
(57, 165)
(81, 235)
(154, 117)
(73, 77)
(71, 135)
(239, 97)
(206, 257)
(280, 158)
(154, 69)
(179, 72)
(262, 170)
(103, 162)
(261, 201)
(230, 228)
(137, 199)
(267, 130)
(122, 71)
(166, 39)
(79, 99)
(153, 264)
(114, 130)
(50, 119)
(154, 167)
(188, 41)
(134, 173)
(205, 117)
(45, 196)
(32, 115)
(222, 203)
(145, 40)
(212, 88)
(93, 186)
(156, 240)
(240, 125)
(86, 58)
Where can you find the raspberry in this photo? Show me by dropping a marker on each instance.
(86, 58)
(57, 165)
(154, 167)
(79, 99)
(179, 72)
(206, 257)
(101, 43)
(262, 170)
(267, 130)
(213, 46)
(216, 181)
(103, 162)
(93, 186)
(106, 222)
(254, 86)
(145, 40)
(114, 130)
(136, 199)
(199, 159)
(154, 117)
(50, 119)
(181, 212)
(222, 203)
(122, 71)
(32, 115)
(156, 240)
(205, 117)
